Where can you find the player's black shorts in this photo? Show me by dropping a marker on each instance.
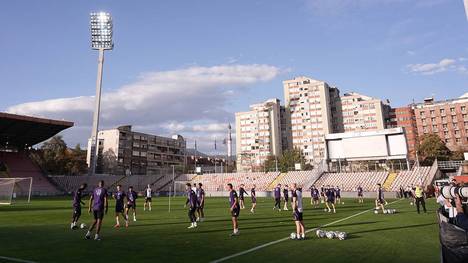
(380, 201)
(148, 199)
(254, 200)
(297, 216)
(241, 198)
(331, 200)
(286, 199)
(119, 208)
(131, 205)
(77, 211)
(315, 198)
(338, 196)
(98, 214)
(360, 195)
(235, 212)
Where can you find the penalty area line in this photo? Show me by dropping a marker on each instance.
(288, 238)
(17, 260)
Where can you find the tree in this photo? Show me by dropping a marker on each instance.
(76, 164)
(290, 158)
(270, 163)
(431, 148)
(54, 155)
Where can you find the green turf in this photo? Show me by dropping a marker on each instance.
(40, 232)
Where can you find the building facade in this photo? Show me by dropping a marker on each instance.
(140, 153)
(448, 119)
(363, 113)
(311, 105)
(258, 135)
(404, 117)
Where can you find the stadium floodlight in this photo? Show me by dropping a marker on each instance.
(101, 39)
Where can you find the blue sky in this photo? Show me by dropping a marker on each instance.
(187, 66)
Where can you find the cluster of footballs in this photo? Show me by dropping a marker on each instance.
(386, 211)
(331, 234)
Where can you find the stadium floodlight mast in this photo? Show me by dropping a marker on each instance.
(101, 39)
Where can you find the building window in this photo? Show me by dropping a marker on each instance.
(432, 112)
(442, 111)
(452, 110)
(463, 108)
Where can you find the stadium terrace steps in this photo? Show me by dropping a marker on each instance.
(276, 180)
(388, 182)
(21, 166)
(350, 181)
(418, 175)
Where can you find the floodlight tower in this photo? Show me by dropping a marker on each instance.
(101, 39)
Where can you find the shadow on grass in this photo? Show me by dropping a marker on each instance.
(392, 228)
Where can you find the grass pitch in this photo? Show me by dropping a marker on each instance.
(40, 232)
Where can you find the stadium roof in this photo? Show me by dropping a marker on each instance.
(19, 131)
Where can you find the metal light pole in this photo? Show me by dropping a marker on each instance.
(101, 39)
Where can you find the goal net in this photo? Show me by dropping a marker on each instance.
(14, 190)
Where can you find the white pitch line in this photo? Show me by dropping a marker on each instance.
(17, 260)
(287, 238)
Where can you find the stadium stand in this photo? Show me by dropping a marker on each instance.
(422, 174)
(304, 179)
(19, 165)
(350, 181)
(217, 182)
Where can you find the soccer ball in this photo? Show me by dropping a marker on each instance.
(385, 211)
(320, 233)
(83, 225)
(293, 235)
(342, 235)
(411, 203)
(342, 203)
(330, 234)
(376, 211)
(325, 210)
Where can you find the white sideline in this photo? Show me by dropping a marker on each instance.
(288, 238)
(17, 260)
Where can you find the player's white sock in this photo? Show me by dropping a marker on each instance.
(198, 219)
(195, 224)
(303, 235)
(96, 237)
(236, 231)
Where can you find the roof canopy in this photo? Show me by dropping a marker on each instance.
(19, 131)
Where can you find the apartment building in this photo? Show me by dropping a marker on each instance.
(140, 153)
(313, 110)
(448, 119)
(404, 117)
(363, 113)
(258, 134)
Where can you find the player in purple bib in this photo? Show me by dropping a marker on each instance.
(99, 205)
(131, 203)
(119, 197)
(360, 194)
(338, 195)
(380, 201)
(200, 203)
(253, 196)
(192, 205)
(330, 196)
(77, 202)
(234, 208)
(277, 195)
(314, 197)
(242, 192)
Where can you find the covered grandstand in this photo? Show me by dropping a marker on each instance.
(18, 134)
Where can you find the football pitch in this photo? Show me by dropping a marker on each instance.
(40, 232)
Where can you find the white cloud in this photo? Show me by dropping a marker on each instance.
(443, 65)
(189, 99)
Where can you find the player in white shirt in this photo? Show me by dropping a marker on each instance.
(148, 195)
(298, 210)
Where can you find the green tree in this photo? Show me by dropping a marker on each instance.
(76, 163)
(54, 155)
(431, 148)
(290, 158)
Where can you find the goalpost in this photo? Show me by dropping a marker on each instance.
(15, 189)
